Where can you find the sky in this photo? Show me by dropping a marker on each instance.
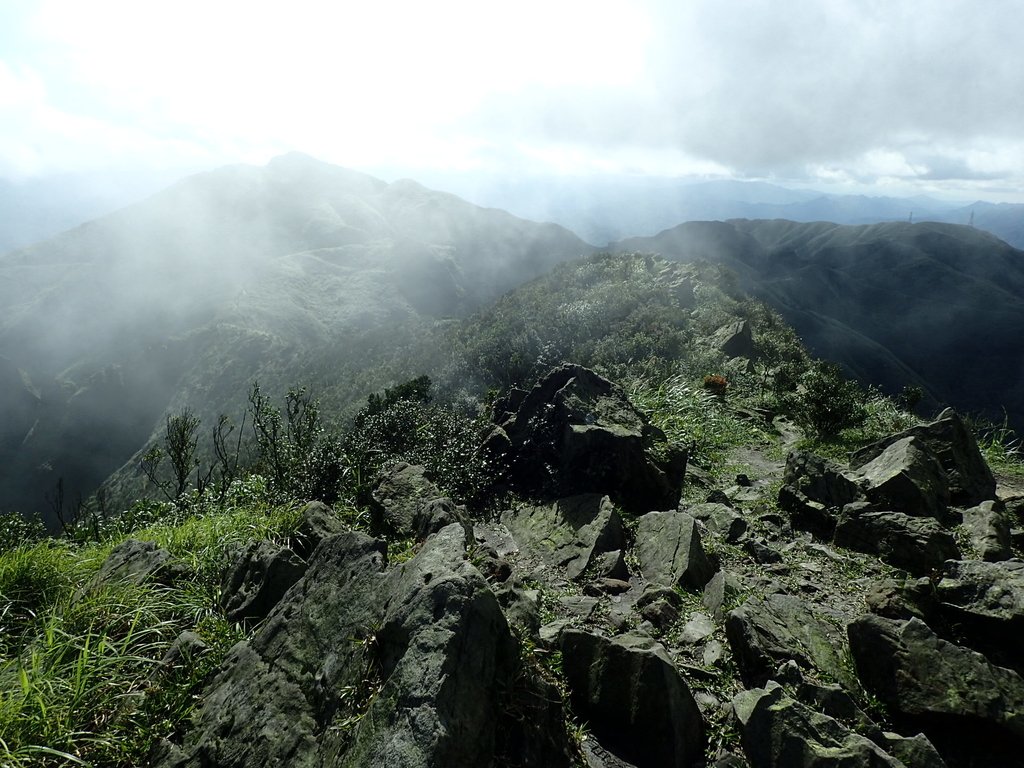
(877, 96)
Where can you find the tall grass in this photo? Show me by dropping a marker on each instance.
(82, 676)
(690, 415)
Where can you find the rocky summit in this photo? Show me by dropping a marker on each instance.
(860, 615)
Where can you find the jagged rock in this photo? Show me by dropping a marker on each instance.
(720, 519)
(989, 531)
(779, 732)
(669, 550)
(576, 432)
(318, 522)
(735, 340)
(430, 635)
(971, 709)
(660, 606)
(762, 553)
(907, 477)
(138, 562)
(697, 629)
(611, 565)
(913, 750)
(521, 607)
(636, 704)
(820, 480)
(901, 601)
(969, 479)
(570, 533)
(259, 579)
(720, 590)
(805, 514)
(829, 699)
(406, 503)
(763, 633)
(917, 544)
(607, 586)
(985, 603)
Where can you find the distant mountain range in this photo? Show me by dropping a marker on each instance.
(606, 210)
(300, 272)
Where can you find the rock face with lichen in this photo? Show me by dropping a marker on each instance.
(872, 623)
(576, 432)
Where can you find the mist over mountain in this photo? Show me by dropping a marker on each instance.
(303, 273)
(299, 272)
(933, 305)
(605, 209)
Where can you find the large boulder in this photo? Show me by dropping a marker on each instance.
(989, 530)
(906, 476)
(813, 490)
(984, 602)
(407, 504)
(969, 479)
(569, 533)
(763, 633)
(138, 562)
(971, 709)
(359, 665)
(266, 570)
(258, 580)
(576, 432)
(629, 693)
(670, 552)
(919, 545)
(778, 731)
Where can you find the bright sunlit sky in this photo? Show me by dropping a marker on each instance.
(893, 96)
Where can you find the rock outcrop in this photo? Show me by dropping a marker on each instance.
(576, 432)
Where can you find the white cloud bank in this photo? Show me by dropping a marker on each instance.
(920, 94)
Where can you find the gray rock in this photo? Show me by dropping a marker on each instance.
(575, 433)
(919, 545)
(259, 579)
(985, 602)
(720, 590)
(138, 562)
(913, 750)
(762, 553)
(697, 629)
(805, 514)
(633, 699)
(406, 503)
(571, 533)
(362, 666)
(735, 340)
(969, 479)
(829, 699)
(318, 522)
(779, 732)
(968, 707)
(660, 606)
(989, 531)
(907, 477)
(611, 565)
(398, 498)
(820, 480)
(764, 633)
(669, 550)
(720, 520)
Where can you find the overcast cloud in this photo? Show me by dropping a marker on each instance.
(915, 95)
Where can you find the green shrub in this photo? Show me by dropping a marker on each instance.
(827, 403)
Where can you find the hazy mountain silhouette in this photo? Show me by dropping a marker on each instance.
(935, 305)
(295, 272)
